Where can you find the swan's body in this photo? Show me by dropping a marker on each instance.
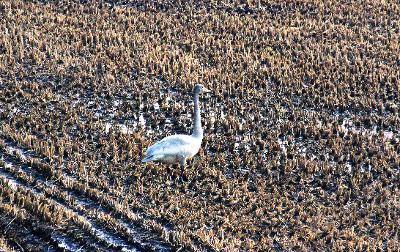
(172, 149)
(179, 148)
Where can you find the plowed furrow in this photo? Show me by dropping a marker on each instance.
(133, 233)
(33, 232)
(102, 235)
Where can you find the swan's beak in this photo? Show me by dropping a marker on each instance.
(205, 90)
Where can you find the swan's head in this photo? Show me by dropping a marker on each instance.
(198, 89)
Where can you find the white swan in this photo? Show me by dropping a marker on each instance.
(178, 148)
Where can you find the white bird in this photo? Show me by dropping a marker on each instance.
(179, 148)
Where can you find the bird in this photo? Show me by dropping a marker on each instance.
(178, 148)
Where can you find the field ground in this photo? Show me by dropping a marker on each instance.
(301, 147)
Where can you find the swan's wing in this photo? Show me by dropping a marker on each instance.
(170, 145)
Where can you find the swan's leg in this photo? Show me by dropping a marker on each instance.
(182, 162)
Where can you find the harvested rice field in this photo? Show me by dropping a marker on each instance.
(301, 129)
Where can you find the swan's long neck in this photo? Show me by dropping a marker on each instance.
(197, 130)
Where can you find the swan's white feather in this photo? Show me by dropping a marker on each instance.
(171, 148)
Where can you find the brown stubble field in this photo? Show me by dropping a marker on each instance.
(301, 148)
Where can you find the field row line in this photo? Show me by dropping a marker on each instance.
(18, 178)
(86, 206)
